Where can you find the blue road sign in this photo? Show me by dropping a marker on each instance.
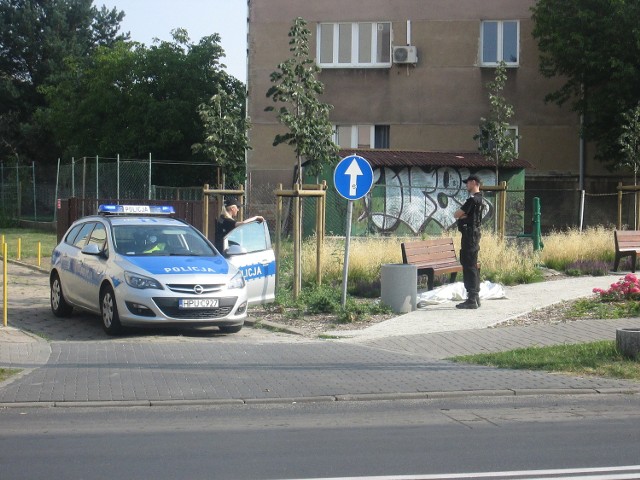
(353, 177)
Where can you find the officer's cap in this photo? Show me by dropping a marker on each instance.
(474, 177)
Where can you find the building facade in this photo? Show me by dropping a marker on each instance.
(411, 75)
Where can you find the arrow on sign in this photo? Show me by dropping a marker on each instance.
(353, 172)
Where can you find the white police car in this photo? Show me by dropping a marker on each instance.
(136, 265)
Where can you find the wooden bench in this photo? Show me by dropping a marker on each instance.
(432, 257)
(627, 245)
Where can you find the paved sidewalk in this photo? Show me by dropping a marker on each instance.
(71, 362)
(520, 300)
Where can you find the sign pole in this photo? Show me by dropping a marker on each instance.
(347, 245)
(353, 178)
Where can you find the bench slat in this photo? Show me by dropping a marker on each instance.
(434, 256)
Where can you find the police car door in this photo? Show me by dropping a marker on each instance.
(248, 247)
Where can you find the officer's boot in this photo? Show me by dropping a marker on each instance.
(477, 299)
(469, 303)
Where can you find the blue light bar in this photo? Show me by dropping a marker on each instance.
(136, 210)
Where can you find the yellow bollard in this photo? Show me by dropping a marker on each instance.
(4, 284)
(39, 253)
(19, 248)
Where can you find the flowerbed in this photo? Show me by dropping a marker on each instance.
(627, 288)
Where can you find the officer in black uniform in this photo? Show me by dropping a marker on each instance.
(469, 218)
(227, 221)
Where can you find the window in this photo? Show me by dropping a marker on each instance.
(354, 45)
(513, 132)
(81, 240)
(250, 236)
(362, 136)
(98, 236)
(500, 40)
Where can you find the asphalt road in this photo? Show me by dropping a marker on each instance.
(462, 438)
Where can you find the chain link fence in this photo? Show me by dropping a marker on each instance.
(403, 213)
(31, 192)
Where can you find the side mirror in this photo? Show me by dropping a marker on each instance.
(91, 249)
(235, 250)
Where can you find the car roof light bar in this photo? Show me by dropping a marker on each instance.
(136, 210)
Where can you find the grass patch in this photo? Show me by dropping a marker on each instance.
(325, 299)
(595, 308)
(596, 358)
(6, 373)
(29, 242)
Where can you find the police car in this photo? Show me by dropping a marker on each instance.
(137, 265)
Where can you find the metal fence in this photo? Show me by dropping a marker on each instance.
(32, 192)
(407, 214)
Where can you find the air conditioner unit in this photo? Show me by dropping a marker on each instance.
(406, 54)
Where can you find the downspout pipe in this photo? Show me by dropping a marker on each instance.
(582, 160)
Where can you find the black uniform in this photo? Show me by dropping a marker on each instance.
(223, 226)
(470, 246)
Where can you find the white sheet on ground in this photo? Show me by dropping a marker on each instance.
(456, 291)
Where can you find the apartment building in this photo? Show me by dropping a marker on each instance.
(410, 76)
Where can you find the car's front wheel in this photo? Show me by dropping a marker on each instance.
(109, 310)
(59, 305)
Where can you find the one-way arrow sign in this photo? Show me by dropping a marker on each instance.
(353, 177)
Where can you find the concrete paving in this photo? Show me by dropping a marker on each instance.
(71, 362)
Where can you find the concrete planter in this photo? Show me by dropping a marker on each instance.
(628, 342)
(399, 286)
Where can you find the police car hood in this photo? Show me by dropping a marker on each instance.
(179, 265)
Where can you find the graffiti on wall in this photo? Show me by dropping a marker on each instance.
(418, 198)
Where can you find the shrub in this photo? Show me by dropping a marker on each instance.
(627, 288)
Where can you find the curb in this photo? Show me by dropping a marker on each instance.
(28, 265)
(362, 397)
(278, 327)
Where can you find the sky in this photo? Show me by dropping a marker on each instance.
(149, 19)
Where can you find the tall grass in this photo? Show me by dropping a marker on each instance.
(505, 261)
(561, 249)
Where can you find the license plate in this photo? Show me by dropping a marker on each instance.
(198, 303)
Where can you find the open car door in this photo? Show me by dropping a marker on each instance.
(248, 247)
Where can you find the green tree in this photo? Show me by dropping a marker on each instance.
(226, 140)
(296, 86)
(593, 47)
(629, 141)
(130, 99)
(36, 36)
(495, 140)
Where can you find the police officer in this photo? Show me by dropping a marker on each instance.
(468, 218)
(228, 222)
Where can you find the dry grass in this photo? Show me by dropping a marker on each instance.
(366, 256)
(503, 261)
(564, 248)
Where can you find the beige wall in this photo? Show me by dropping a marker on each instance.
(435, 105)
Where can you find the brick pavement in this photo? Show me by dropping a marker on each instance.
(71, 361)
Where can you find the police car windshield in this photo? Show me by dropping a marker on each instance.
(159, 240)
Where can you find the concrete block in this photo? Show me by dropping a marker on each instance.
(399, 286)
(628, 342)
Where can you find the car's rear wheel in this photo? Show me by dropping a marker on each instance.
(109, 310)
(233, 329)
(59, 305)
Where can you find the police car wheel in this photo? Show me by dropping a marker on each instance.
(234, 329)
(109, 311)
(59, 305)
